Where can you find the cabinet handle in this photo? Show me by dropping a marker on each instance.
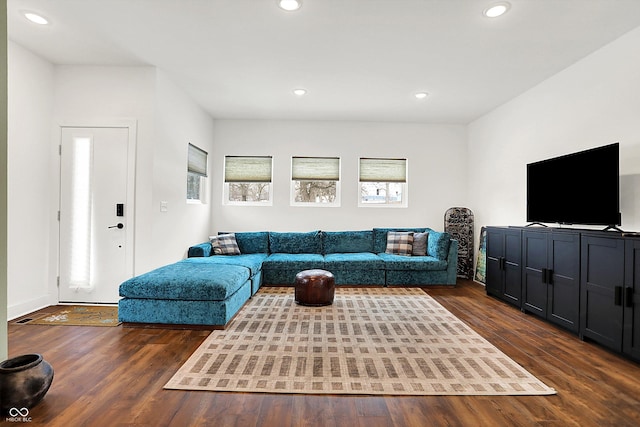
(628, 296)
(549, 277)
(618, 297)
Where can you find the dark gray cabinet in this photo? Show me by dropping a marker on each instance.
(602, 286)
(504, 275)
(586, 281)
(631, 299)
(551, 276)
(610, 292)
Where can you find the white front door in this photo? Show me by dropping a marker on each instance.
(96, 213)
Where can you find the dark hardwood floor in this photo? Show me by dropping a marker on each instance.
(113, 376)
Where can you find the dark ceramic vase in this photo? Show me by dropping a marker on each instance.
(24, 380)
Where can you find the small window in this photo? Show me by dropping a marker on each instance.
(247, 180)
(383, 182)
(315, 181)
(196, 174)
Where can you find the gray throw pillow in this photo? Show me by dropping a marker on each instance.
(420, 244)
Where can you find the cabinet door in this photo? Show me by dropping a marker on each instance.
(495, 254)
(563, 306)
(602, 280)
(512, 266)
(631, 338)
(534, 263)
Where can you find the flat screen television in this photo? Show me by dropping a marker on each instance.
(578, 188)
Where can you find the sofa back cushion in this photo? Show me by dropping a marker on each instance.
(252, 242)
(295, 243)
(438, 244)
(347, 242)
(380, 237)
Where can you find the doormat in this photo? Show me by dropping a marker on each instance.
(374, 341)
(76, 315)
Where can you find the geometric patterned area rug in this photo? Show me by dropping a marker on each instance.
(77, 315)
(377, 341)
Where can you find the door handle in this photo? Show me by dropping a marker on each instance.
(118, 225)
(618, 295)
(628, 296)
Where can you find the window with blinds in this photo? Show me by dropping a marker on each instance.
(247, 179)
(315, 181)
(196, 174)
(383, 182)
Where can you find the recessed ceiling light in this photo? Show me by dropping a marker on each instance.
(300, 92)
(496, 9)
(290, 5)
(35, 18)
(421, 95)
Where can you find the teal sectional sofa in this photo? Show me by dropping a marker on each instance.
(208, 288)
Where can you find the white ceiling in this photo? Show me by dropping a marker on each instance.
(359, 59)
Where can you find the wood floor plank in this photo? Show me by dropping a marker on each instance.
(114, 377)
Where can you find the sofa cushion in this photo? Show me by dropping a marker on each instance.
(380, 236)
(295, 243)
(399, 262)
(252, 242)
(186, 280)
(438, 244)
(419, 244)
(200, 250)
(140, 310)
(355, 261)
(399, 243)
(347, 241)
(224, 244)
(417, 277)
(293, 262)
(252, 261)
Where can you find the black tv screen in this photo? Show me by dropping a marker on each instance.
(578, 188)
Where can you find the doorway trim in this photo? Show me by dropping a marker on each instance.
(132, 132)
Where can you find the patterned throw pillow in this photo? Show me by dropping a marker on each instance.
(400, 243)
(225, 244)
(420, 244)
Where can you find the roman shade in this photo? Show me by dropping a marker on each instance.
(383, 170)
(247, 168)
(197, 161)
(315, 168)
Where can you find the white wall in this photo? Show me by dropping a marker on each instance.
(30, 189)
(592, 103)
(436, 162)
(179, 121)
